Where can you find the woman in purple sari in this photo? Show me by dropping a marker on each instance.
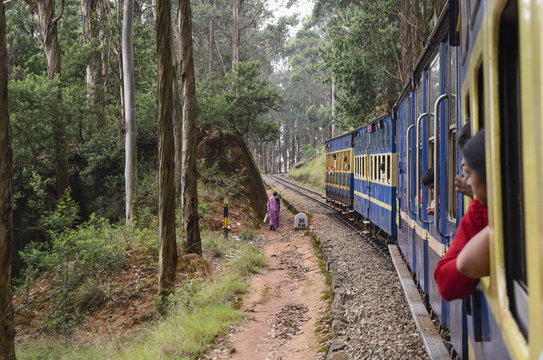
(273, 211)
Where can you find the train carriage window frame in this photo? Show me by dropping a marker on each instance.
(383, 135)
(452, 78)
(511, 164)
(388, 167)
(434, 91)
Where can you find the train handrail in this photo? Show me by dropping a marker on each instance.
(409, 170)
(437, 202)
(417, 169)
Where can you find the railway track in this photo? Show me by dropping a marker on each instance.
(365, 230)
(418, 303)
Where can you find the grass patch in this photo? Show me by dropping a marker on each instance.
(185, 333)
(249, 261)
(311, 173)
(216, 246)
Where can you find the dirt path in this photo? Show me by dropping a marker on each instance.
(284, 303)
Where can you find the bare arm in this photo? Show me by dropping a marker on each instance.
(474, 259)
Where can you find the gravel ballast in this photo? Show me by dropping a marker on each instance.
(370, 317)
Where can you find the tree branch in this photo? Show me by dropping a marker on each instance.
(32, 5)
(57, 18)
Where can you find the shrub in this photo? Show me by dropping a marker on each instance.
(215, 245)
(247, 235)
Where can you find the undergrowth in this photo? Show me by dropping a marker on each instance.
(311, 173)
(199, 311)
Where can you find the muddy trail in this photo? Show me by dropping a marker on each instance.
(284, 304)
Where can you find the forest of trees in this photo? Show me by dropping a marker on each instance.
(104, 99)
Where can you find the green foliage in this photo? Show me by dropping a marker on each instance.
(311, 172)
(184, 296)
(215, 245)
(199, 312)
(249, 261)
(32, 256)
(239, 102)
(247, 235)
(363, 57)
(63, 217)
(78, 259)
(228, 183)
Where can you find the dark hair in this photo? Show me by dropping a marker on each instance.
(275, 193)
(464, 135)
(474, 153)
(345, 158)
(382, 166)
(428, 177)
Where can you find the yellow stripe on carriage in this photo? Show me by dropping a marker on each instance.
(375, 201)
(423, 233)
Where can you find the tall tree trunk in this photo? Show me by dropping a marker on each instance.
(177, 134)
(285, 146)
(166, 149)
(297, 148)
(131, 160)
(333, 125)
(211, 35)
(48, 26)
(293, 145)
(7, 329)
(235, 34)
(122, 118)
(191, 231)
(263, 160)
(91, 31)
(104, 51)
(279, 154)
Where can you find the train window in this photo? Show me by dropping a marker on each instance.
(383, 135)
(384, 129)
(418, 99)
(433, 92)
(389, 136)
(388, 168)
(375, 166)
(511, 166)
(451, 137)
(480, 98)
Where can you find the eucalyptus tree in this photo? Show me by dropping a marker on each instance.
(192, 242)
(302, 85)
(166, 185)
(7, 328)
(90, 20)
(45, 9)
(363, 55)
(130, 167)
(239, 103)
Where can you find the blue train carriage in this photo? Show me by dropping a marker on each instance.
(375, 166)
(339, 169)
(426, 130)
(492, 78)
(502, 78)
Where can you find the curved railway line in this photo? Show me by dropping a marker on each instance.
(365, 229)
(434, 343)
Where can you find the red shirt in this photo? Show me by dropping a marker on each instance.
(450, 282)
